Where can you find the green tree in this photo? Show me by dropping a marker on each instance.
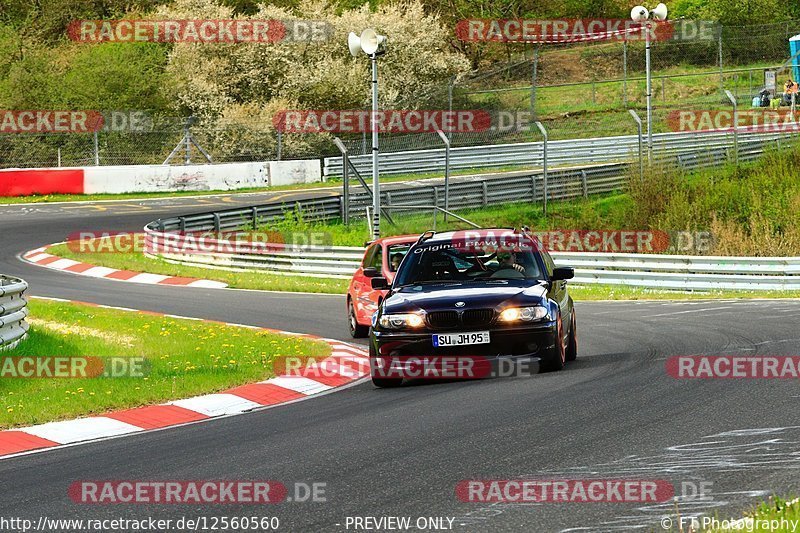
(117, 76)
(747, 12)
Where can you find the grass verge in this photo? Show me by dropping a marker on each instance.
(769, 517)
(186, 358)
(137, 262)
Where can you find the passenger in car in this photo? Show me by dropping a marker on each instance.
(395, 261)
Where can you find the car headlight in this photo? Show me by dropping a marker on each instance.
(523, 314)
(401, 321)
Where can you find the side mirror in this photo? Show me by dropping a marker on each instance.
(380, 284)
(562, 273)
(371, 272)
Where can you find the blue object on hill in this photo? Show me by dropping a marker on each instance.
(794, 48)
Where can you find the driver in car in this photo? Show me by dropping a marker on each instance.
(509, 260)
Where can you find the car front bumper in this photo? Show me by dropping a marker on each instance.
(512, 350)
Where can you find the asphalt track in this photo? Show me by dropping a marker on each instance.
(615, 413)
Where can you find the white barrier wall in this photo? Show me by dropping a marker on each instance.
(293, 172)
(159, 178)
(223, 176)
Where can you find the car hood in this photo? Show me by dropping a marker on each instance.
(474, 294)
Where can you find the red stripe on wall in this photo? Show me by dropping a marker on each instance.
(41, 181)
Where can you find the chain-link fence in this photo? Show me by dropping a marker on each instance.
(578, 90)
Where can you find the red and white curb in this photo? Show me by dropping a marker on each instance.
(40, 257)
(346, 365)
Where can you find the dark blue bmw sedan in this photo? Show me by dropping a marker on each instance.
(467, 303)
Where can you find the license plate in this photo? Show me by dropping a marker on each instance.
(460, 339)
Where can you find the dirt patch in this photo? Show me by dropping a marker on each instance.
(71, 329)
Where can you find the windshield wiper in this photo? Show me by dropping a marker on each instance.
(429, 282)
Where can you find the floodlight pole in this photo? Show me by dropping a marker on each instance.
(376, 185)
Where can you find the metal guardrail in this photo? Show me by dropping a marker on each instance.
(560, 152)
(639, 270)
(465, 192)
(13, 310)
(478, 191)
(667, 272)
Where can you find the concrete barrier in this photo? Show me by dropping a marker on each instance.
(157, 178)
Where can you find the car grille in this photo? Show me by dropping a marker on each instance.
(443, 319)
(477, 317)
(468, 318)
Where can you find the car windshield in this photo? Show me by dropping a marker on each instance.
(396, 254)
(460, 262)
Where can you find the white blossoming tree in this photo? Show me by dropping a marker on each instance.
(247, 83)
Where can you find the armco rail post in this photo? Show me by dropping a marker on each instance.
(345, 181)
(735, 126)
(544, 166)
(446, 142)
(641, 151)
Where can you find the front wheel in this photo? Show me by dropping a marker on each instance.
(572, 343)
(383, 383)
(556, 358)
(387, 383)
(357, 331)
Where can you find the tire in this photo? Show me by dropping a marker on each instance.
(572, 343)
(382, 383)
(387, 383)
(554, 361)
(357, 331)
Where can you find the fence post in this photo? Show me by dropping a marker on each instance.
(96, 150)
(485, 189)
(534, 75)
(345, 180)
(450, 85)
(446, 142)
(732, 98)
(719, 59)
(187, 138)
(641, 142)
(254, 214)
(280, 144)
(544, 165)
(584, 183)
(625, 73)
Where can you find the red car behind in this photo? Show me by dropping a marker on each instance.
(381, 259)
